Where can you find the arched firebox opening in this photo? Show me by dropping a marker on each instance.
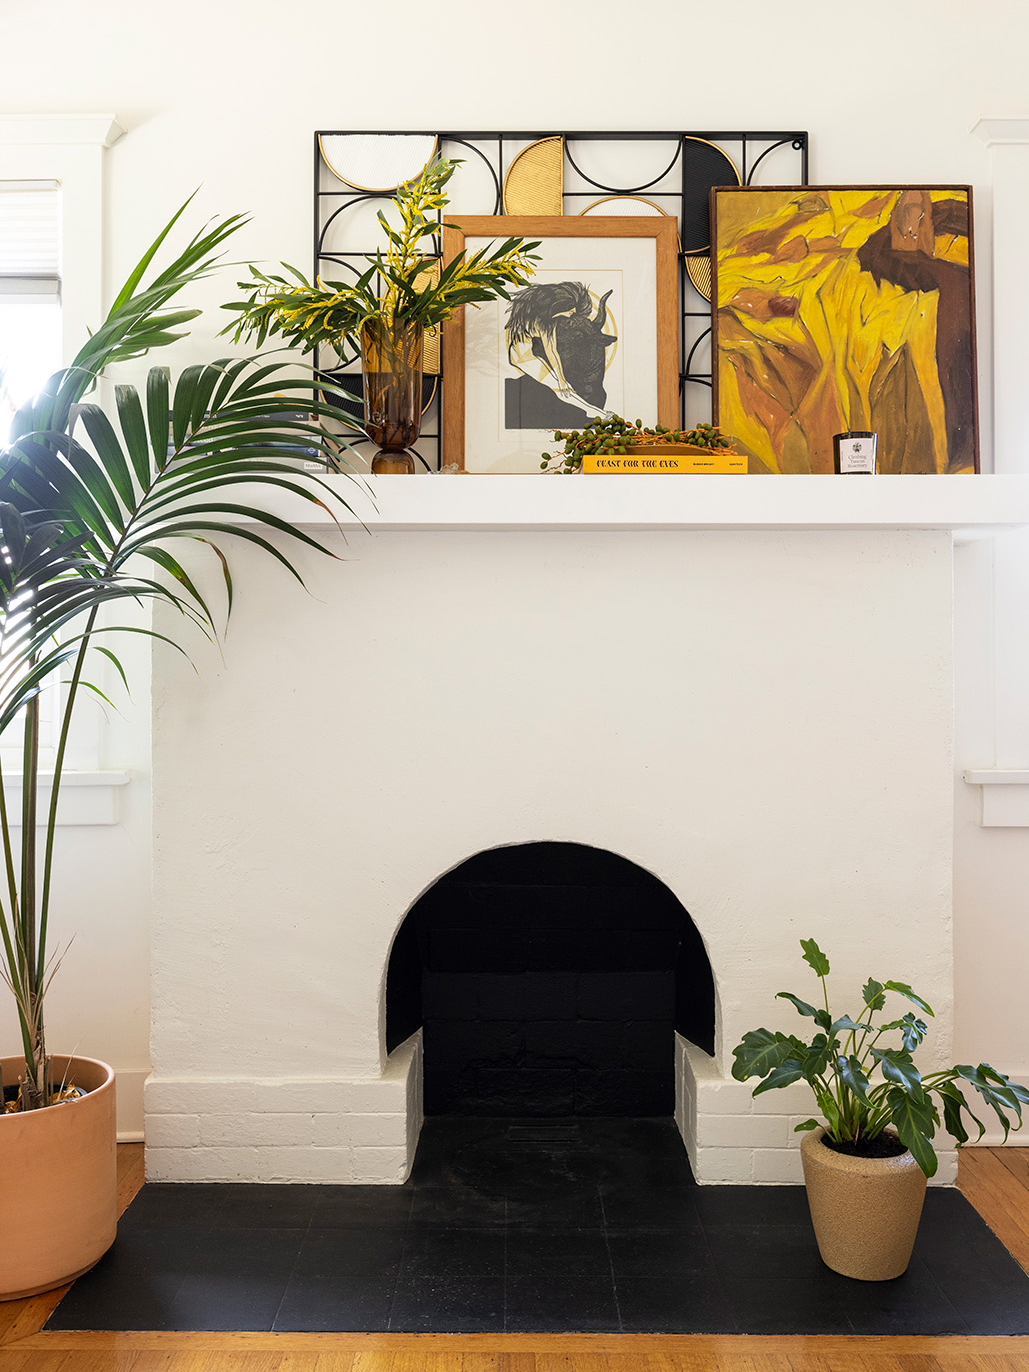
(549, 979)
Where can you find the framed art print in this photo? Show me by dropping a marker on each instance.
(845, 308)
(595, 333)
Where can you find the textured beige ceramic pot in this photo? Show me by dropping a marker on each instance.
(58, 1182)
(865, 1210)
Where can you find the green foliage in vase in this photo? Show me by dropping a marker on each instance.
(90, 506)
(405, 284)
(862, 1085)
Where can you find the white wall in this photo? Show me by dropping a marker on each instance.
(225, 94)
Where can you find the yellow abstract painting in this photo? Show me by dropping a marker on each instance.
(838, 309)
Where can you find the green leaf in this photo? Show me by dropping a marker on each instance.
(808, 1124)
(801, 1005)
(915, 1123)
(913, 1030)
(906, 991)
(814, 957)
(848, 1025)
(872, 994)
(786, 1075)
(853, 1077)
(762, 1051)
(898, 1067)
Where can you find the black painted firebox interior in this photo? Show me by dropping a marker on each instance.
(549, 978)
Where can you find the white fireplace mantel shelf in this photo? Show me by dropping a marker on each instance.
(972, 507)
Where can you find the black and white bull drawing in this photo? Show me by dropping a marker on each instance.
(558, 344)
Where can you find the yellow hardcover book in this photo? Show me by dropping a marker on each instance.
(655, 461)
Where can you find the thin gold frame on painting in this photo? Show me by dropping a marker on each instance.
(839, 308)
(664, 233)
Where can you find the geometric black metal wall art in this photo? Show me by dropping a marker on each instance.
(356, 172)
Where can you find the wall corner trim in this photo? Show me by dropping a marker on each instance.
(1005, 795)
(992, 131)
(101, 129)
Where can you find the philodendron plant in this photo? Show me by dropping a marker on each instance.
(864, 1085)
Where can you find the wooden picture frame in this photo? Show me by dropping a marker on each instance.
(845, 308)
(499, 382)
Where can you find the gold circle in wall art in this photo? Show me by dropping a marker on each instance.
(535, 180)
(698, 269)
(628, 205)
(377, 162)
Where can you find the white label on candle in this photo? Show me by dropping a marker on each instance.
(857, 455)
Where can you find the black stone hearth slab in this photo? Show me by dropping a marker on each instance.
(531, 1225)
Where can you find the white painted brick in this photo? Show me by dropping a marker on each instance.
(386, 1096)
(724, 1165)
(201, 1164)
(179, 1097)
(741, 1131)
(375, 1131)
(787, 1100)
(778, 1164)
(172, 1131)
(304, 1164)
(302, 1097)
(947, 1171)
(725, 1098)
(384, 1166)
(794, 1120)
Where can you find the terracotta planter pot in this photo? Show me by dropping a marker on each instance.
(865, 1210)
(58, 1182)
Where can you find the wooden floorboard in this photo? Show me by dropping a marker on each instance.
(995, 1181)
(176, 1352)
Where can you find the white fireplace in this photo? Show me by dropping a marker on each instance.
(742, 686)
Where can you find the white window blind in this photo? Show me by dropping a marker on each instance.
(30, 239)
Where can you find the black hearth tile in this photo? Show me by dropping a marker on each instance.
(535, 1251)
(134, 1284)
(980, 1278)
(448, 1305)
(480, 950)
(617, 1091)
(374, 1206)
(438, 1251)
(651, 950)
(329, 1255)
(450, 995)
(718, 1205)
(454, 1043)
(911, 1304)
(520, 1091)
(658, 1252)
(527, 996)
(457, 1205)
(561, 1305)
(451, 1091)
(628, 1206)
(359, 1304)
(685, 1302)
(572, 1208)
(759, 1250)
(789, 1305)
(572, 950)
(238, 1279)
(265, 1207)
(175, 1205)
(619, 995)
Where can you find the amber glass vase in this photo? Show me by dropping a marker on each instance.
(391, 360)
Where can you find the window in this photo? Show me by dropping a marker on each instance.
(30, 290)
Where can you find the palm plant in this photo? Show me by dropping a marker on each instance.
(88, 507)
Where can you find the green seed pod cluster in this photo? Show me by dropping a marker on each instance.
(616, 436)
